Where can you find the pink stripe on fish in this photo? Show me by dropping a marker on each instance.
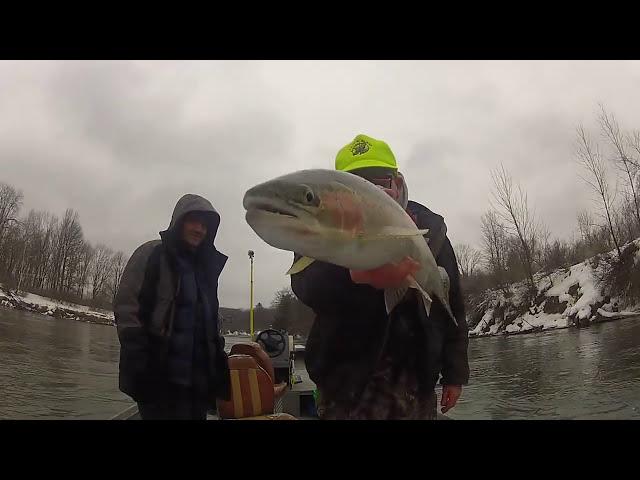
(345, 213)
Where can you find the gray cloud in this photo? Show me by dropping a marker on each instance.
(122, 141)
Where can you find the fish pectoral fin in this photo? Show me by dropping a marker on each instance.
(393, 296)
(445, 281)
(450, 313)
(300, 265)
(396, 232)
(427, 301)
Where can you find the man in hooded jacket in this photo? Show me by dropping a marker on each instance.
(172, 358)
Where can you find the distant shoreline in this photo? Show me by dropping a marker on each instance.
(54, 308)
(70, 311)
(616, 317)
(57, 309)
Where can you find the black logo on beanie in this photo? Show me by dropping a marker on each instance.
(360, 147)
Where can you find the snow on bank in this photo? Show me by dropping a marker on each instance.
(52, 307)
(613, 315)
(581, 275)
(528, 322)
(566, 297)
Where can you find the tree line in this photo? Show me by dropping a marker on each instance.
(48, 255)
(518, 246)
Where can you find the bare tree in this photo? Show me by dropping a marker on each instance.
(589, 157)
(624, 221)
(622, 159)
(87, 255)
(22, 245)
(585, 225)
(42, 248)
(69, 244)
(494, 238)
(11, 237)
(468, 259)
(633, 140)
(118, 262)
(33, 229)
(541, 246)
(556, 255)
(513, 207)
(50, 255)
(101, 270)
(46, 272)
(10, 203)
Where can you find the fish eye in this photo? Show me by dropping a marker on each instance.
(309, 196)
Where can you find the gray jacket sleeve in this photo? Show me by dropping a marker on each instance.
(129, 310)
(455, 369)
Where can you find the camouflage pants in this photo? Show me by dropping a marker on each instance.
(384, 399)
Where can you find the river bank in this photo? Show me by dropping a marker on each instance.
(574, 297)
(54, 308)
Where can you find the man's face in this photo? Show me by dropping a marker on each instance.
(194, 229)
(384, 178)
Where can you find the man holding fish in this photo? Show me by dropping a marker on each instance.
(381, 276)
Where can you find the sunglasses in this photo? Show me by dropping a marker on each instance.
(385, 182)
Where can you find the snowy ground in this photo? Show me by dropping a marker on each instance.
(576, 289)
(49, 306)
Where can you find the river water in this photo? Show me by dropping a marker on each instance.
(56, 368)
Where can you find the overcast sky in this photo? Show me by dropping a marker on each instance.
(120, 142)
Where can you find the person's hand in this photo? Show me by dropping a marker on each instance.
(387, 276)
(450, 396)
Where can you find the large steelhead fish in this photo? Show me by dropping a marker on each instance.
(343, 219)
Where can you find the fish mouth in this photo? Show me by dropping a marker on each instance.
(269, 207)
